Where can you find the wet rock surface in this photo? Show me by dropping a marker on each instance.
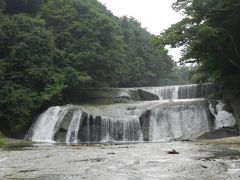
(220, 133)
(196, 160)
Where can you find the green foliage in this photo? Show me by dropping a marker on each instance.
(2, 142)
(2, 5)
(146, 64)
(183, 75)
(210, 33)
(49, 47)
(22, 6)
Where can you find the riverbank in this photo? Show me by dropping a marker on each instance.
(14, 144)
(2, 142)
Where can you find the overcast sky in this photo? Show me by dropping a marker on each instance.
(155, 15)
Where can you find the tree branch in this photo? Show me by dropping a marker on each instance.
(228, 58)
(233, 43)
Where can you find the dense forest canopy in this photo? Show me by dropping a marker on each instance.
(210, 35)
(48, 47)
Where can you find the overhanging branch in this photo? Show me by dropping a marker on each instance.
(228, 58)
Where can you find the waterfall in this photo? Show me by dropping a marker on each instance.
(80, 127)
(181, 92)
(180, 112)
(72, 133)
(105, 129)
(195, 91)
(121, 130)
(178, 121)
(45, 126)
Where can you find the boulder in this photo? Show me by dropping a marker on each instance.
(146, 96)
(144, 122)
(60, 135)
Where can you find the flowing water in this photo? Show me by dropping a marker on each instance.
(73, 129)
(181, 112)
(178, 121)
(181, 92)
(45, 126)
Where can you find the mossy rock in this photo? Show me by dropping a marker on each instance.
(2, 142)
(14, 144)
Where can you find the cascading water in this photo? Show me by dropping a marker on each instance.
(178, 121)
(45, 126)
(181, 92)
(195, 91)
(73, 125)
(181, 112)
(72, 133)
(120, 130)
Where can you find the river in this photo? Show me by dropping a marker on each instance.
(140, 161)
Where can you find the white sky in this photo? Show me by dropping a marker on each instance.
(154, 15)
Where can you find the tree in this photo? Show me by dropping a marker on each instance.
(210, 35)
(22, 6)
(146, 64)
